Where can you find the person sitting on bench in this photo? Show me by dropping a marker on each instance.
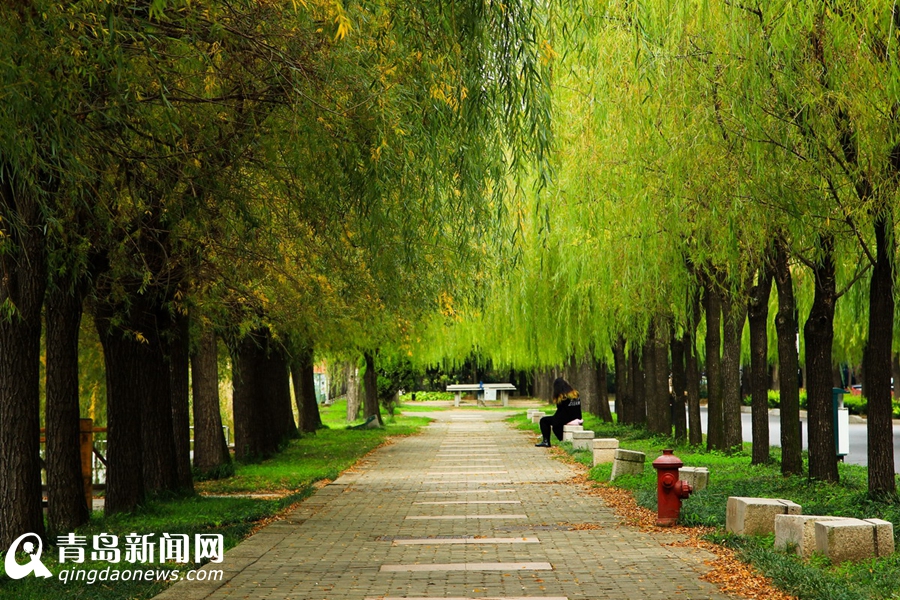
(568, 408)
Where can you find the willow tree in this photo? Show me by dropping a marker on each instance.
(39, 170)
(820, 105)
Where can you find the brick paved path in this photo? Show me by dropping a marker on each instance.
(469, 509)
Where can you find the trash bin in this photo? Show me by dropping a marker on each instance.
(841, 423)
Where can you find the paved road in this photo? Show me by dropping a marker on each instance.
(469, 509)
(858, 444)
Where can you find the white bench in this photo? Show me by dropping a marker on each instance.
(583, 440)
(628, 462)
(798, 532)
(854, 539)
(756, 516)
(605, 450)
(485, 391)
(459, 388)
(698, 477)
(568, 430)
(491, 389)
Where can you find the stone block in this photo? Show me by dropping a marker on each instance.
(854, 539)
(530, 412)
(756, 516)
(605, 450)
(568, 430)
(582, 440)
(537, 415)
(798, 531)
(698, 477)
(628, 462)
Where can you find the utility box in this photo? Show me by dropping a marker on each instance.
(841, 423)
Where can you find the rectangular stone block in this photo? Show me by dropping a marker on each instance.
(628, 462)
(698, 477)
(568, 430)
(854, 539)
(537, 415)
(798, 532)
(605, 450)
(756, 516)
(582, 440)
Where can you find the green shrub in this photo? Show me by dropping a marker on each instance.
(775, 399)
(857, 404)
(426, 396)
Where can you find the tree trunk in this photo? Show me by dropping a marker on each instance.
(124, 455)
(254, 438)
(759, 365)
(139, 403)
(629, 408)
(818, 335)
(878, 363)
(371, 385)
(786, 328)
(210, 446)
(651, 397)
(157, 437)
(21, 290)
(602, 393)
(66, 504)
(734, 313)
(587, 385)
(638, 389)
(692, 368)
(622, 368)
(278, 390)
(353, 389)
(659, 408)
(178, 343)
(837, 378)
(715, 425)
(679, 387)
(303, 375)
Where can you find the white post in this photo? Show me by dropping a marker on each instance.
(457, 398)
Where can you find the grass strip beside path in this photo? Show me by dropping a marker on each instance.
(732, 475)
(289, 476)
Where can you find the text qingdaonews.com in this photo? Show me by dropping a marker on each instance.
(91, 576)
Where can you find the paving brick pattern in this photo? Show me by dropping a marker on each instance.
(339, 544)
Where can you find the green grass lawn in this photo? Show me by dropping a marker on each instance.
(291, 474)
(732, 475)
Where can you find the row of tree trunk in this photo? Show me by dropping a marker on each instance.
(150, 376)
(645, 396)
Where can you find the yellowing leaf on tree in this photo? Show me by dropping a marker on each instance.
(547, 53)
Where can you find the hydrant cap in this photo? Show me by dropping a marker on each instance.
(667, 461)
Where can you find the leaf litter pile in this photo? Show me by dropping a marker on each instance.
(731, 575)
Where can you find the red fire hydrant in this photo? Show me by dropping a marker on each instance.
(669, 490)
